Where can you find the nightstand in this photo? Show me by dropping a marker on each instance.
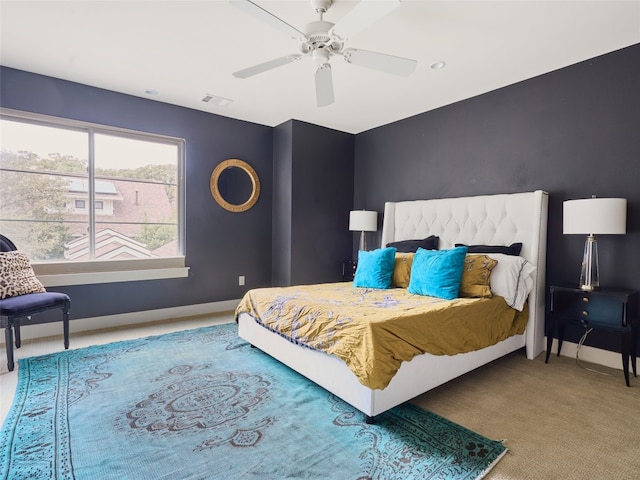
(348, 270)
(611, 309)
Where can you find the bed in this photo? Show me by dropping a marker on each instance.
(503, 219)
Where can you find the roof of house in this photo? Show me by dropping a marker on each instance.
(134, 204)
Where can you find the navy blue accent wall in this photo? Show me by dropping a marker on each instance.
(574, 132)
(313, 194)
(282, 203)
(220, 245)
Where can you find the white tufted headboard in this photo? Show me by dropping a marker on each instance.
(482, 220)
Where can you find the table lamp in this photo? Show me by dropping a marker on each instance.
(363, 221)
(591, 216)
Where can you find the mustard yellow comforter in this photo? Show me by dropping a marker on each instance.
(374, 331)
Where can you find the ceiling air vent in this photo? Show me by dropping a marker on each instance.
(215, 100)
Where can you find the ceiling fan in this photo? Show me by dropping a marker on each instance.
(321, 40)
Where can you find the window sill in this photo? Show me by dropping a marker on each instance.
(90, 278)
(55, 274)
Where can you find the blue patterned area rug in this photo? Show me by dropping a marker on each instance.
(201, 404)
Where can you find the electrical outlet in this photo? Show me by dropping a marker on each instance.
(241, 280)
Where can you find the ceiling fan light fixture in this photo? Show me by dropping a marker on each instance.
(321, 57)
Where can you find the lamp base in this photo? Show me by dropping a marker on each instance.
(363, 240)
(590, 274)
(588, 288)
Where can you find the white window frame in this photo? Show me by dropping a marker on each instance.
(108, 271)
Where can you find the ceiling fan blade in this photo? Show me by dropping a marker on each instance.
(267, 17)
(263, 67)
(380, 61)
(324, 85)
(361, 16)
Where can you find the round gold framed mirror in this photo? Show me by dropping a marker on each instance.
(235, 185)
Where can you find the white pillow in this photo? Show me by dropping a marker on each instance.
(512, 279)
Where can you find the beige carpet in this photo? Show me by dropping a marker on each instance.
(560, 421)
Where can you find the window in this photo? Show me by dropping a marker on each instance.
(97, 197)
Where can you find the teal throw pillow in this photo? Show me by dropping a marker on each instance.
(375, 268)
(437, 273)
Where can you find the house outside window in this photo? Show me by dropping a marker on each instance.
(73, 192)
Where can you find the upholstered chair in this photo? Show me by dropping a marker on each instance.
(19, 301)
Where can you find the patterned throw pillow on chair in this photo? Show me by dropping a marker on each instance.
(16, 275)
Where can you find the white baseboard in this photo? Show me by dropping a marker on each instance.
(109, 321)
(587, 354)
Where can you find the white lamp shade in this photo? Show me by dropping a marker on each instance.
(595, 216)
(363, 221)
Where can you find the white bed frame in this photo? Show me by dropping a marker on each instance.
(488, 220)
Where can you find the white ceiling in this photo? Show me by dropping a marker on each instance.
(184, 50)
